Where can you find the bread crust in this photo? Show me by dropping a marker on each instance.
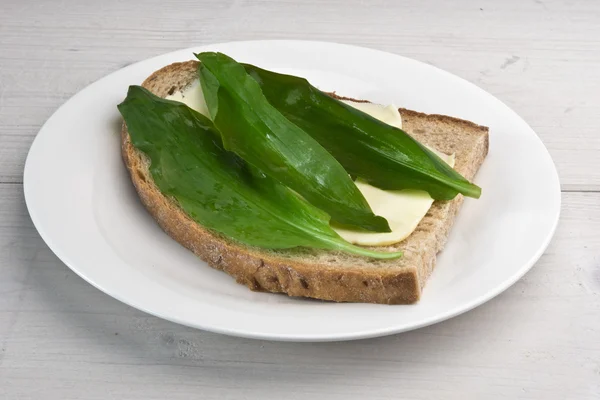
(320, 274)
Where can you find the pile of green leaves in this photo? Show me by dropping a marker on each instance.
(272, 165)
(252, 128)
(218, 189)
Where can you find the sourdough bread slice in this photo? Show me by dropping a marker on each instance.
(326, 275)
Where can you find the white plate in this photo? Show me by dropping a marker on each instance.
(82, 202)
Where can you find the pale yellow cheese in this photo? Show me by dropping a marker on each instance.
(388, 114)
(192, 97)
(403, 209)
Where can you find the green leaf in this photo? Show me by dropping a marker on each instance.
(264, 138)
(216, 188)
(210, 89)
(385, 156)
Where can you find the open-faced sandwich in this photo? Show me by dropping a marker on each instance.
(293, 190)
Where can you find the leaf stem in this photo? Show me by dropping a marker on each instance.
(341, 244)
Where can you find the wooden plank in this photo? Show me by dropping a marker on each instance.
(61, 338)
(547, 74)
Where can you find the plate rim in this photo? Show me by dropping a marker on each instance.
(252, 333)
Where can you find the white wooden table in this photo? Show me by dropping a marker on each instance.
(62, 339)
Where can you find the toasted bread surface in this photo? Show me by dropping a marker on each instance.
(326, 275)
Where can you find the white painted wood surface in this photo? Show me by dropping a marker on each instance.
(61, 338)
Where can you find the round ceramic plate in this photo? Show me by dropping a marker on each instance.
(84, 206)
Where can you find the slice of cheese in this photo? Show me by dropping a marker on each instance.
(403, 209)
(388, 114)
(192, 97)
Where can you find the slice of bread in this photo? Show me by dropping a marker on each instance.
(313, 273)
